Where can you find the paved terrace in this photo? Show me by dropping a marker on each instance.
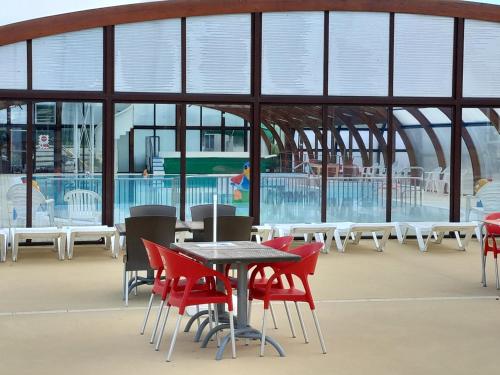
(396, 312)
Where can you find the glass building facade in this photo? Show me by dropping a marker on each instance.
(293, 116)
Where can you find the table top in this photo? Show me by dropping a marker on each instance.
(233, 252)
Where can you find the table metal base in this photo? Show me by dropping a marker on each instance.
(243, 333)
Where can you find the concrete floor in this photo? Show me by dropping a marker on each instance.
(396, 312)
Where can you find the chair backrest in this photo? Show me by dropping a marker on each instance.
(16, 196)
(309, 254)
(489, 195)
(229, 228)
(279, 243)
(153, 210)
(202, 211)
(157, 229)
(493, 229)
(82, 204)
(155, 261)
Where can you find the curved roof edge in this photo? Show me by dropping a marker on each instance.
(100, 17)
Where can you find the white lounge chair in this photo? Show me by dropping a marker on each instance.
(83, 206)
(111, 237)
(489, 196)
(322, 232)
(354, 231)
(48, 233)
(435, 232)
(42, 208)
(432, 180)
(262, 232)
(4, 236)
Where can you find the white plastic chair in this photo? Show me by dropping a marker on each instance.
(83, 206)
(489, 196)
(432, 180)
(444, 181)
(42, 208)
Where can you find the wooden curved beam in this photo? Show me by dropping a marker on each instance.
(331, 126)
(355, 133)
(188, 8)
(492, 116)
(469, 144)
(427, 126)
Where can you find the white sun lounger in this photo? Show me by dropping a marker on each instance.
(262, 232)
(322, 232)
(112, 240)
(4, 235)
(435, 232)
(48, 233)
(354, 231)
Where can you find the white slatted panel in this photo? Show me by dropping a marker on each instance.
(423, 55)
(148, 56)
(481, 59)
(292, 53)
(218, 54)
(71, 61)
(13, 66)
(358, 54)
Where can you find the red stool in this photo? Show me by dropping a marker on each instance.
(490, 243)
(180, 268)
(302, 269)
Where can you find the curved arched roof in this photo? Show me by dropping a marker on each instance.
(186, 8)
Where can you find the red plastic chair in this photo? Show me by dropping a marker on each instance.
(302, 269)
(156, 264)
(180, 268)
(490, 242)
(159, 286)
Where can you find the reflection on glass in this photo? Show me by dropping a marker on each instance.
(357, 154)
(480, 178)
(217, 156)
(147, 159)
(13, 190)
(421, 171)
(291, 154)
(67, 163)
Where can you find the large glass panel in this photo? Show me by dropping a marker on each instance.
(147, 158)
(358, 54)
(357, 163)
(71, 61)
(480, 189)
(148, 56)
(421, 169)
(67, 163)
(292, 53)
(13, 164)
(13, 66)
(291, 154)
(423, 55)
(218, 54)
(481, 59)
(217, 156)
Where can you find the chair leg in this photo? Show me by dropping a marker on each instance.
(496, 271)
(231, 327)
(174, 337)
(263, 337)
(216, 315)
(292, 328)
(126, 288)
(136, 284)
(210, 320)
(157, 323)
(306, 339)
(318, 328)
(147, 314)
(272, 316)
(249, 315)
(160, 336)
